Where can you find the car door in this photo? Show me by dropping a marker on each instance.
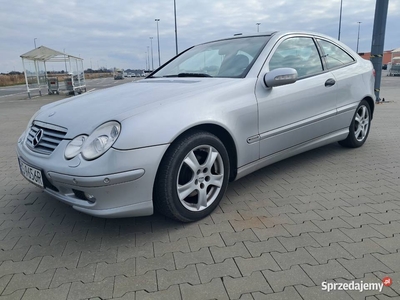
(349, 80)
(295, 113)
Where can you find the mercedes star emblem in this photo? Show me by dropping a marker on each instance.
(37, 138)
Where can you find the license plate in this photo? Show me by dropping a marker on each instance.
(32, 174)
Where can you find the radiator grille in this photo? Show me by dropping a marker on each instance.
(44, 138)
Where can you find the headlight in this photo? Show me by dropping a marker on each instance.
(100, 140)
(75, 146)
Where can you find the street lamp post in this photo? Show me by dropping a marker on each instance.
(65, 62)
(158, 43)
(340, 18)
(358, 35)
(151, 46)
(34, 42)
(148, 57)
(258, 27)
(176, 29)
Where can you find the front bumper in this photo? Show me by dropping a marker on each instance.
(117, 184)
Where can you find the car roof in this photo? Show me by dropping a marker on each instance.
(274, 33)
(240, 35)
(279, 34)
(282, 33)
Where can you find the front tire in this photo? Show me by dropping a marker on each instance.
(359, 127)
(192, 178)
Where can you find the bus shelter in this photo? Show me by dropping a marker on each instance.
(37, 77)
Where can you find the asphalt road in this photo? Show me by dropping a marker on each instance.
(388, 88)
(101, 83)
(18, 92)
(12, 90)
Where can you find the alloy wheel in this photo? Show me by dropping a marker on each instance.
(361, 123)
(200, 178)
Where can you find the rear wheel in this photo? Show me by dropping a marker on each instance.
(192, 178)
(359, 127)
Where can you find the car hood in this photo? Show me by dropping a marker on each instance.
(82, 114)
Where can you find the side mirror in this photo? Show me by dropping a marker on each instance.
(279, 77)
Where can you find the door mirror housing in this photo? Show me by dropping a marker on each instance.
(281, 76)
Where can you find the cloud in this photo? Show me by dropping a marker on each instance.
(116, 33)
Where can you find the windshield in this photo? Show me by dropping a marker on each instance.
(228, 58)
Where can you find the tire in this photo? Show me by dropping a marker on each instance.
(192, 177)
(359, 127)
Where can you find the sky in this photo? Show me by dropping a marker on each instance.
(117, 33)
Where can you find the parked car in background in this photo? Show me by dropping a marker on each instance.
(118, 74)
(213, 114)
(395, 70)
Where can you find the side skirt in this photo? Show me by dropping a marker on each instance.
(306, 146)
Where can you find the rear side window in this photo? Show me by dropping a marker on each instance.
(334, 56)
(299, 53)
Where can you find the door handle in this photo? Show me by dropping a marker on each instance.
(330, 82)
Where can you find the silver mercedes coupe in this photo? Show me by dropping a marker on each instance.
(213, 114)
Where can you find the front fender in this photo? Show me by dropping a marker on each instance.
(234, 110)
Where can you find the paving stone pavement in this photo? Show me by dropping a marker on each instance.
(331, 214)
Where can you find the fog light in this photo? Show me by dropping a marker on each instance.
(90, 197)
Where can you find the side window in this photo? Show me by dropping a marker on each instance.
(334, 56)
(298, 53)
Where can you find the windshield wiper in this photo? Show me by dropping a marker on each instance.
(189, 75)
